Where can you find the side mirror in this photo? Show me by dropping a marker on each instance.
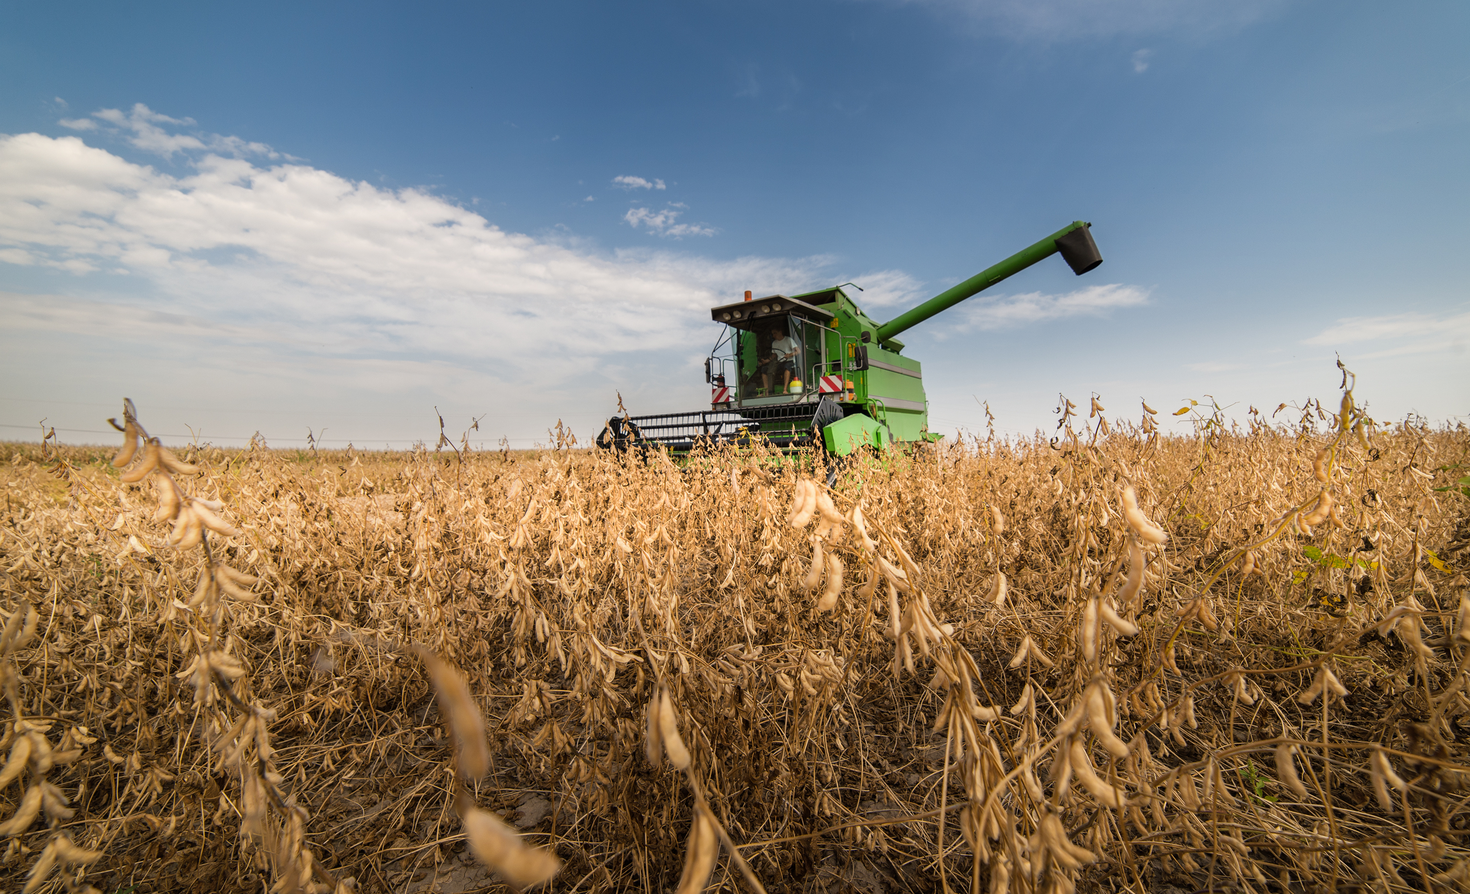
(707, 378)
(860, 357)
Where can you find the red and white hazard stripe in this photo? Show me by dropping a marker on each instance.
(720, 394)
(830, 385)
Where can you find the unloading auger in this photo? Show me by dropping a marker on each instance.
(814, 371)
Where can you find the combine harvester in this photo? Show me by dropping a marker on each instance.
(815, 372)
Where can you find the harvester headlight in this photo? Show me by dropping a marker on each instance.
(765, 308)
(725, 315)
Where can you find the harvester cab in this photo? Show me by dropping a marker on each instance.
(814, 371)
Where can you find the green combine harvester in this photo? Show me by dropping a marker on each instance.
(814, 372)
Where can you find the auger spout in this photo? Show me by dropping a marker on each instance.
(1073, 241)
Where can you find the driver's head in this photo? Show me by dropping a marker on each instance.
(778, 332)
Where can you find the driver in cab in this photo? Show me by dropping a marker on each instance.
(782, 358)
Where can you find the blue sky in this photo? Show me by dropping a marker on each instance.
(305, 216)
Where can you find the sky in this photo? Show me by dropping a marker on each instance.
(338, 220)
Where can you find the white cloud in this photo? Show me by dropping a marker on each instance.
(1396, 334)
(146, 133)
(1140, 60)
(296, 258)
(663, 222)
(1072, 19)
(122, 321)
(628, 181)
(653, 220)
(1009, 311)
